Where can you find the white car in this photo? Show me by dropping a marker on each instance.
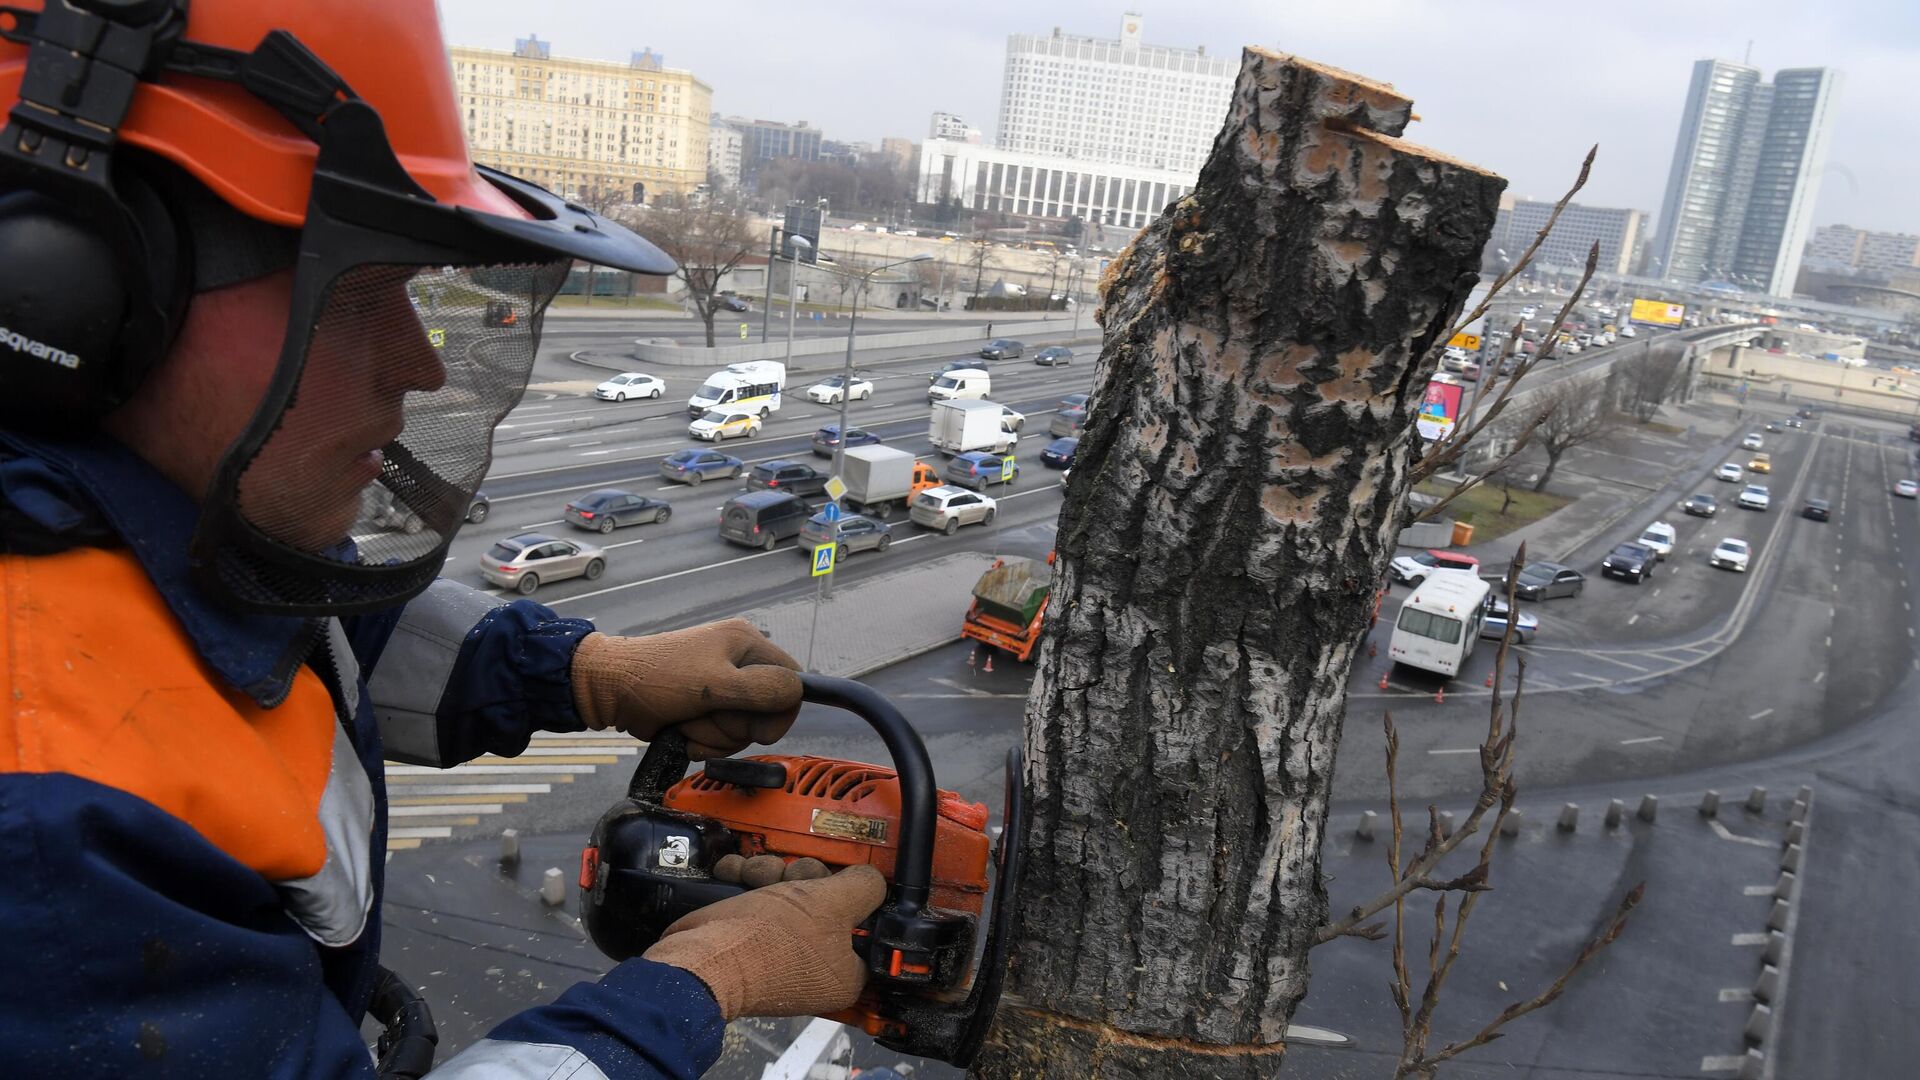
(1660, 537)
(1753, 441)
(1010, 421)
(1754, 497)
(1906, 489)
(633, 384)
(828, 390)
(716, 426)
(1732, 554)
(1628, 331)
(1729, 472)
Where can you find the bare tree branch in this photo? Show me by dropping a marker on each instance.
(1520, 443)
(708, 241)
(1526, 257)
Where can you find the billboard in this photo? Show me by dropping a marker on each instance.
(1658, 312)
(1440, 409)
(803, 220)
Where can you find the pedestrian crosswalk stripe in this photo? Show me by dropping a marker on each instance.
(458, 798)
(563, 751)
(447, 822)
(543, 762)
(616, 744)
(425, 785)
(406, 844)
(444, 808)
(529, 769)
(421, 832)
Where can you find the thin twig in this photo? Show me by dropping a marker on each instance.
(1521, 441)
(1526, 257)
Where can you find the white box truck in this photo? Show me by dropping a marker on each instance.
(881, 479)
(958, 427)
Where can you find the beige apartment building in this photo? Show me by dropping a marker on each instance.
(598, 131)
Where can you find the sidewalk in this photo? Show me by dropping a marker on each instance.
(878, 621)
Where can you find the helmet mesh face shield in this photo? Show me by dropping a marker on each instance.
(373, 460)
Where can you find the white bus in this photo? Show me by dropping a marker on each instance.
(1439, 624)
(751, 386)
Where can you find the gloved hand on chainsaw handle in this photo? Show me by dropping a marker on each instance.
(782, 950)
(724, 684)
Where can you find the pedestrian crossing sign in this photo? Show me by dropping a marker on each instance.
(822, 559)
(437, 337)
(1008, 466)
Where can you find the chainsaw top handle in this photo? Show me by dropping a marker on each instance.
(665, 763)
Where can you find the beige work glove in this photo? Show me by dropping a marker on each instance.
(724, 684)
(782, 950)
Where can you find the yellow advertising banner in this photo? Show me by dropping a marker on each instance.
(1658, 312)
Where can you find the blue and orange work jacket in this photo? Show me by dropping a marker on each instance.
(192, 810)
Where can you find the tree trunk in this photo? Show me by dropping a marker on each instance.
(1244, 467)
(1553, 462)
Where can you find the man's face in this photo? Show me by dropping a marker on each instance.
(367, 352)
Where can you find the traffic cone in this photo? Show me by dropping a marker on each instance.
(1440, 696)
(989, 667)
(1383, 680)
(1489, 682)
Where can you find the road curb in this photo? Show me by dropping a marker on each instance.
(1761, 1032)
(869, 667)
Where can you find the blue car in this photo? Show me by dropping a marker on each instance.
(692, 466)
(1059, 453)
(828, 437)
(978, 469)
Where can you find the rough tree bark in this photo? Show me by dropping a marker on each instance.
(1241, 481)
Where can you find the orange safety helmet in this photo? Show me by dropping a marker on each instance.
(336, 119)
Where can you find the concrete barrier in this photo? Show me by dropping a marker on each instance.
(1616, 809)
(509, 848)
(1510, 825)
(1710, 804)
(1649, 808)
(1368, 821)
(553, 887)
(1570, 817)
(775, 347)
(1428, 534)
(1757, 801)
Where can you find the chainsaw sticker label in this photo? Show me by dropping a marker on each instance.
(673, 854)
(845, 826)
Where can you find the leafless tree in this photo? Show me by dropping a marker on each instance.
(1646, 381)
(708, 241)
(1574, 411)
(979, 259)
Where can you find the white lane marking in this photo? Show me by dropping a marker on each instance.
(1643, 739)
(621, 544)
(1829, 641)
(1467, 750)
(424, 832)
(471, 789)
(1724, 833)
(548, 438)
(1656, 590)
(1757, 890)
(1633, 620)
(443, 810)
(1819, 675)
(627, 750)
(537, 524)
(666, 577)
(1749, 939)
(1761, 715)
(578, 445)
(597, 453)
(1736, 993)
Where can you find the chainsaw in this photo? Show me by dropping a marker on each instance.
(932, 981)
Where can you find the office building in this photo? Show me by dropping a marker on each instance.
(723, 153)
(953, 128)
(900, 153)
(1745, 175)
(594, 130)
(1845, 249)
(1116, 101)
(1617, 230)
(768, 140)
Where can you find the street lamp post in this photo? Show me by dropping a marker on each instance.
(846, 376)
(793, 287)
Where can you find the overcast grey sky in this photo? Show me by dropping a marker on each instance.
(1520, 86)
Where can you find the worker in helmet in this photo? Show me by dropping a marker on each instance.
(219, 223)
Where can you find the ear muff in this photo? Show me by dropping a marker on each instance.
(87, 307)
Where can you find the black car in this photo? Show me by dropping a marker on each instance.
(1002, 349)
(479, 508)
(1059, 453)
(1075, 401)
(1817, 509)
(1546, 580)
(828, 437)
(1701, 505)
(788, 476)
(1630, 561)
(610, 508)
(1053, 355)
(954, 365)
(732, 303)
(1771, 426)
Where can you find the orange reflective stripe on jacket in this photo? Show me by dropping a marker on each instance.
(105, 685)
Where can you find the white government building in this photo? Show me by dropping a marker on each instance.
(1108, 129)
